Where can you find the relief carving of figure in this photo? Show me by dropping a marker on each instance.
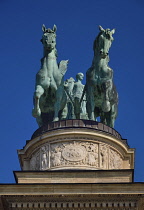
(44, 158)
(93, 159)
(115, 160)
(103, 156)
(56, 157)
(92, 154)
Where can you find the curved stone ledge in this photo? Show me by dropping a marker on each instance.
(77, 145)
(63, 124)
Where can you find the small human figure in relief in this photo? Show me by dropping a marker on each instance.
(103, 157)
(79, 107)
(92, 155)
(56, 156)
(44, 157)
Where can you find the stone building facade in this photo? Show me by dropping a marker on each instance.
(74, 164)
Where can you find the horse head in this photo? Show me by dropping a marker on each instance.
(103, 42)
(49, 38)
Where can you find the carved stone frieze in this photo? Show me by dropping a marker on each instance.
(104, 153)
(76, 144)
(56, 156)
(35, 161)
(115, 161)
(76, 154)
(44, 157)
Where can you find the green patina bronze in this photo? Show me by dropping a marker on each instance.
(48, 78)
(68, 100)
(79, 101)
(56, 99)
(102, 97)
(63, 105)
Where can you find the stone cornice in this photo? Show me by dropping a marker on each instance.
(72, 189)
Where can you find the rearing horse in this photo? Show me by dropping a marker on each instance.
(48, 78)
(102, 97)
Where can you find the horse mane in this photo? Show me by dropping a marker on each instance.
(95, 44)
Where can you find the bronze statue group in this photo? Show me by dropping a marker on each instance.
(56, 99)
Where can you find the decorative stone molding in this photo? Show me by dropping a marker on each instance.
(140, 203)
(74, 176)
(77, 123)
(76, 148)
(80, 202)
(75, 154)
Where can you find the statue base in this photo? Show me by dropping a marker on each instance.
(76, 145)
(75, 164)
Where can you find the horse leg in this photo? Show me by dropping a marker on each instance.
(103, 117)
(106, 103)
(77, 107)
(57, 105)
(36, 112)
(112, 116)
(64, 113)
(90, 105)
(56, 111)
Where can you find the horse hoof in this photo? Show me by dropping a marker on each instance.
(106, 106)
(55, 119)
(36, 113)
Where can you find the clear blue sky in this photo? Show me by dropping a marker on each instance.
(77, 26)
